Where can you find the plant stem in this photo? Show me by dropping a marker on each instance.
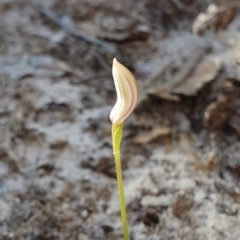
(117, 137)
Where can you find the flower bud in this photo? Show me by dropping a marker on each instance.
(127, 93)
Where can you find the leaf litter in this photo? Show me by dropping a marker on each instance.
(181, 170)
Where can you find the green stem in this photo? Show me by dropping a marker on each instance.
(117, 137)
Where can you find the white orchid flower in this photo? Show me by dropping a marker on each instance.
(127, 93)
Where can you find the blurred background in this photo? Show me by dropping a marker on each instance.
(181, 149)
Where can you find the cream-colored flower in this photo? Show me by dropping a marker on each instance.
(127, 93)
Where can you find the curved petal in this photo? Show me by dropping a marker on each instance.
(127, 93)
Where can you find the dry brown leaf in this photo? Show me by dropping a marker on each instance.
(17, 68)
(48, 62)
(205, 72)
(185, 70)
(137, 32)
(210, 164)
(154, 86)
(218, 112)
(235, 123)
(185, 142)
(166, 95)
(190, 78)
(183, 205)
(147, 137)
(131, 32)
(215, 18)
(95, 31)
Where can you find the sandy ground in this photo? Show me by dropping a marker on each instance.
(180, 151)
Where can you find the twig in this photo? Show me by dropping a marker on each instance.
(90, 53)
(66, 23)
